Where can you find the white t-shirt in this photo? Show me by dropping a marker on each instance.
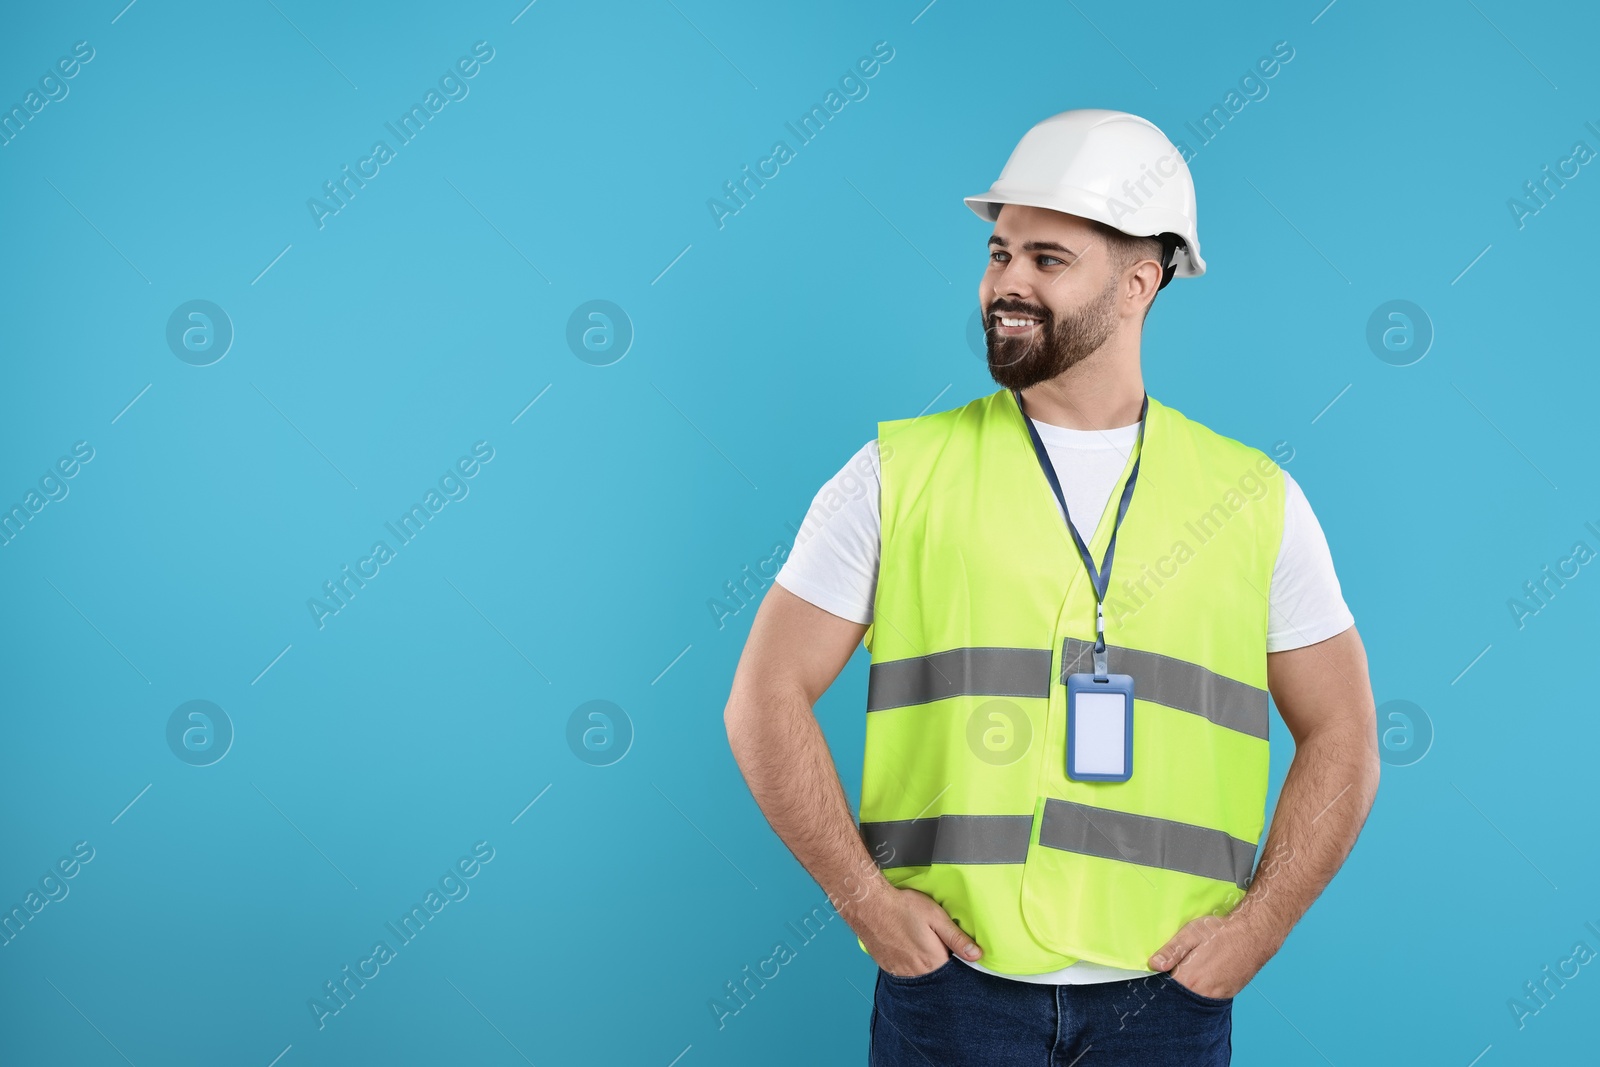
(834, 565)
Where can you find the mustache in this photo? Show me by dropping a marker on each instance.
(1002, 307)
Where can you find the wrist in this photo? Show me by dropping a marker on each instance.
(864, 897)
(1253, 935)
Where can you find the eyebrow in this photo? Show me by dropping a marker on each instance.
(1032, 246)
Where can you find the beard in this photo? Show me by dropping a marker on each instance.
(1051, 347)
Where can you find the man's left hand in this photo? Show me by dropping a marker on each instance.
(1213, 956)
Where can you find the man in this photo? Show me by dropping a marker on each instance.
(1066, 739)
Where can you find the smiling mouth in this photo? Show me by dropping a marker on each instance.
(1012, 325)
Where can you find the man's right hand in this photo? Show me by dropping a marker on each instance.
(909, 934)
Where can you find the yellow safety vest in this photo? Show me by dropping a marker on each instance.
(983, 608)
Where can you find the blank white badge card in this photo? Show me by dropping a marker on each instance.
(1099, 734)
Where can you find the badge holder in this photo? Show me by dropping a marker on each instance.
(1099, 719)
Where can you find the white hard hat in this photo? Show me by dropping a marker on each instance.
(1109, 166)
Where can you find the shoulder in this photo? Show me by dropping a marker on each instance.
(859, 471)
(935, 424)
(1223, 460)
(911, 446)
(1204, 436)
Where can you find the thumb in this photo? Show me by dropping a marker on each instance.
(1168, 956)
(957, 939)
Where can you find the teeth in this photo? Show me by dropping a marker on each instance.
(1004, 321)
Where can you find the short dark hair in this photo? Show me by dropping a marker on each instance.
(1123, 250)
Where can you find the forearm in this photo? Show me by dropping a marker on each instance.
(786, 763)
(1321, 809)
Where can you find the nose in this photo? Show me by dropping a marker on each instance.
(1012, 284)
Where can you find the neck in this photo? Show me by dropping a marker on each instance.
(1083, 402)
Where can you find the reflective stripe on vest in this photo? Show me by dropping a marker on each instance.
(1092, 831)
(989, 672)
(1147, 840)
(1178, 684)
(1025, 672)
(950, 839)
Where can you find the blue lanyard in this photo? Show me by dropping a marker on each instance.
(1101, 580)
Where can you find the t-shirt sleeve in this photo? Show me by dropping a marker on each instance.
(1305, 604)
(834, 561)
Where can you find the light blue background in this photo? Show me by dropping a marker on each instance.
(431, 310)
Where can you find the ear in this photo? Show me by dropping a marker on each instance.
(1141, 283)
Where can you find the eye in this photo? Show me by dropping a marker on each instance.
(994, 257)
(1052, 259)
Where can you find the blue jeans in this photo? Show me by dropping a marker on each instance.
(958, 1015)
